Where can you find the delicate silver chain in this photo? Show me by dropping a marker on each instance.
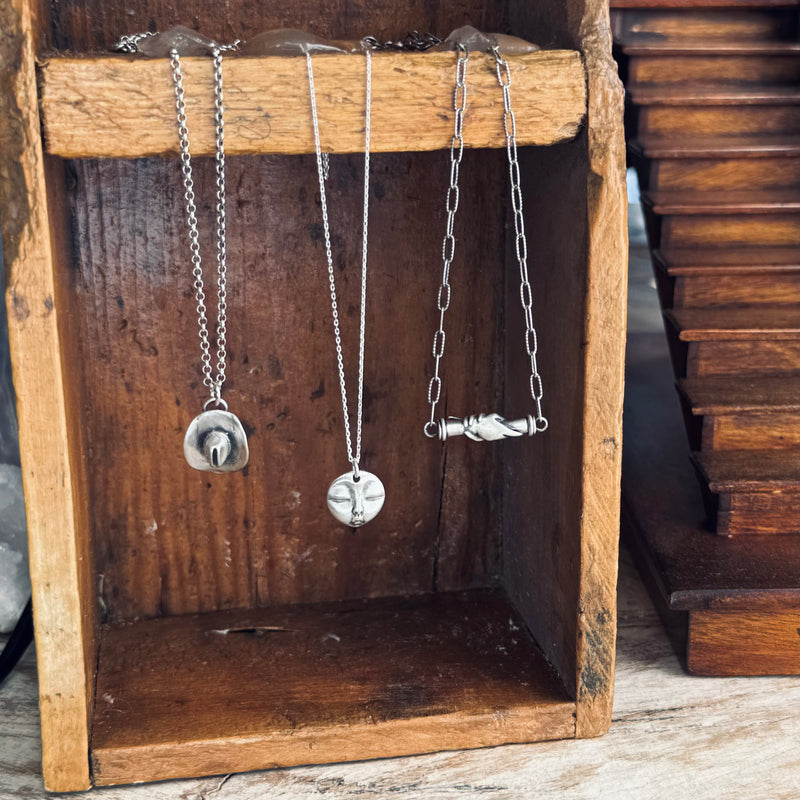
(449, 243)
(520, 241)
(211, 382)
(354, 459)
(222, 246)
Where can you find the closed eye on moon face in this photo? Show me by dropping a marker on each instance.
(355, 502)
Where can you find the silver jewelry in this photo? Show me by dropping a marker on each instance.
(484, 427)
(215, 441)
(413, 41)
(355, 497)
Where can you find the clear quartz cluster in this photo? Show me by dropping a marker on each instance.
(15, 585)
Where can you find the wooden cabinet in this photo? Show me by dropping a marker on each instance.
(192, 625)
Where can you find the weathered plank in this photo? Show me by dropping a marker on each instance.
(34, 242)
(579, 305)
(238, 690)
(124, 107)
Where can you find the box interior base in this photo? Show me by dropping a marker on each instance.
(246, 689)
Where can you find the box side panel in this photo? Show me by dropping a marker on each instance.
(605, 320)
(542, 495)
(34, 243)
(563, 510)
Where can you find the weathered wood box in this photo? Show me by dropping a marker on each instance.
(191, 625)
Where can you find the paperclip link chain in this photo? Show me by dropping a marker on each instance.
(212, 382)
(520, 240)
(322, 170)
(449, 242)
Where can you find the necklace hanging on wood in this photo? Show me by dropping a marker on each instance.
(215, 440)
(357, 496)
(492, 426)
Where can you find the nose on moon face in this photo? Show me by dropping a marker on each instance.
(356, 502)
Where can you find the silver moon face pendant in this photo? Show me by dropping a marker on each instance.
(355, 502)
(215, 441)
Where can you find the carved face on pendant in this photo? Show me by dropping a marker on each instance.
(356, 502)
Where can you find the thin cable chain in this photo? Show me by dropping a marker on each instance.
(322, 175)
(449, 243)
(222, 247)
(211, 382)
(520, 240)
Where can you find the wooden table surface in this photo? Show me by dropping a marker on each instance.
(672, 737)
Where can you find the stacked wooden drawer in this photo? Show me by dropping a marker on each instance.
(714, 132)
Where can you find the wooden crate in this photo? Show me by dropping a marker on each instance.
(189, 625)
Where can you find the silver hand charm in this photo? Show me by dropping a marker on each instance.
(486, 427)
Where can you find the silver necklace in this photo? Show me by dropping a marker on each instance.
(357, 496)
(492, 426)
(215, 440)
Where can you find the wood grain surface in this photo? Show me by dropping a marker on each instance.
(775, 470)
(724, 174)
(710, 24)
(712, 145)
(758, 513)
(582, 223)
(751, 431)
(124, 107)
(741, 66)
(725, 396)
(769, 230)
(706, 358)
(708, 94)
(35, 243)
(698, 201)
(739, 289)
(742, 644)
(645, 44)
(239, 690)
(740, 413)
(736, 324)
(670, 730)
(265, 535)
(713, 260)
(93, 26)
(663, 514)
(695, 120)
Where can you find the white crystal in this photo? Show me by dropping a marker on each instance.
(15, 584)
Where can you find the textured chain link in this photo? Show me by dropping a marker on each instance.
(322, 168)
(449, 243)
(520, 240)
(130, 42)
(413, 40)
(211, 382)
(222, 246)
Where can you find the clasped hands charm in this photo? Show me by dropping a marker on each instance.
(488, 427)
(215, 441)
